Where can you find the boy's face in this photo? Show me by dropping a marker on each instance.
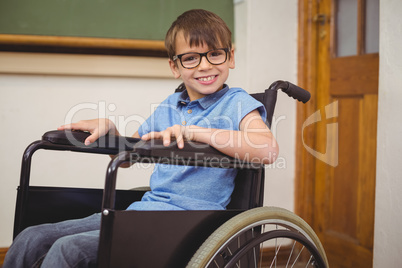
(204, 79)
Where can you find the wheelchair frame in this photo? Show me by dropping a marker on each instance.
(179, 233)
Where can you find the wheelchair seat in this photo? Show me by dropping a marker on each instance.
(157, 238)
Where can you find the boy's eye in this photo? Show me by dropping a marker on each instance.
(216, 53)
(190, 57)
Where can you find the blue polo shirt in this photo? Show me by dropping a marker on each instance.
(175, 187)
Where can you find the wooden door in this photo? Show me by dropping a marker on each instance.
(337, 156)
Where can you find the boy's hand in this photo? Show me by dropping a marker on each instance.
(178, 132)
(97, 127)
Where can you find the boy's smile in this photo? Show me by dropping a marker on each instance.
(204, 79)
(207, 79)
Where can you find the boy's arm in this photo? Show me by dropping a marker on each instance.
(97, 127)
(254, 142)
(136, 135)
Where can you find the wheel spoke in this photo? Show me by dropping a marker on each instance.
(311, 257)
(291, 253)
(297, 257)
(230, 252)
(276, 253)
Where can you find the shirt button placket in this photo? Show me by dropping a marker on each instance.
(189, 111)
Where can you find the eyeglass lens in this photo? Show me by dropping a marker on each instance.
(191, 60)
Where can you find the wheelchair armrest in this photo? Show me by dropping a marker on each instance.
(193, 153)
(74, 140)
(155, 148)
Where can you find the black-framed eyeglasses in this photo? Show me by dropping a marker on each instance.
(193, 59)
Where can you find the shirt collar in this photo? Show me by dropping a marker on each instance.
(204, 102)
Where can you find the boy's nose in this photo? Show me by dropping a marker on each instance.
(204, 64)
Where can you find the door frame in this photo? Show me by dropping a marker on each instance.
(306, 76)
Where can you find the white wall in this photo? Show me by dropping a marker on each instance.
(266, 44)
(36, 95)
(388, 206)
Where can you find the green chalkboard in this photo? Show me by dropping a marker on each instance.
(127, 19)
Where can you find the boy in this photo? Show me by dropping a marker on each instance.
(201, 54)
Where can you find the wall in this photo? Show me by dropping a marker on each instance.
(38, 92)
(264, 55)
(388, 208)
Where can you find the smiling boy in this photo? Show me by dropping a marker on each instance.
(208, 111)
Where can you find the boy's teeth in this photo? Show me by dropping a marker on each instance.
(209, 78)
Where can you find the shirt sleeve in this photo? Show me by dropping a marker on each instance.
(150, 124)
(160, 118)
(247, 104)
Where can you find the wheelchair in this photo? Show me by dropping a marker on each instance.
(246, 234)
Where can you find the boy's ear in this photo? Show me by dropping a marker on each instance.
(174, 68)
(231, 59)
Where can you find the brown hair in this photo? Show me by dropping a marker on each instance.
(199, 26)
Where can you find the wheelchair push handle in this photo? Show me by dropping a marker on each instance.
(291, 90)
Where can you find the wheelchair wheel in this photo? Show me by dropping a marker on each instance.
(262, 237)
